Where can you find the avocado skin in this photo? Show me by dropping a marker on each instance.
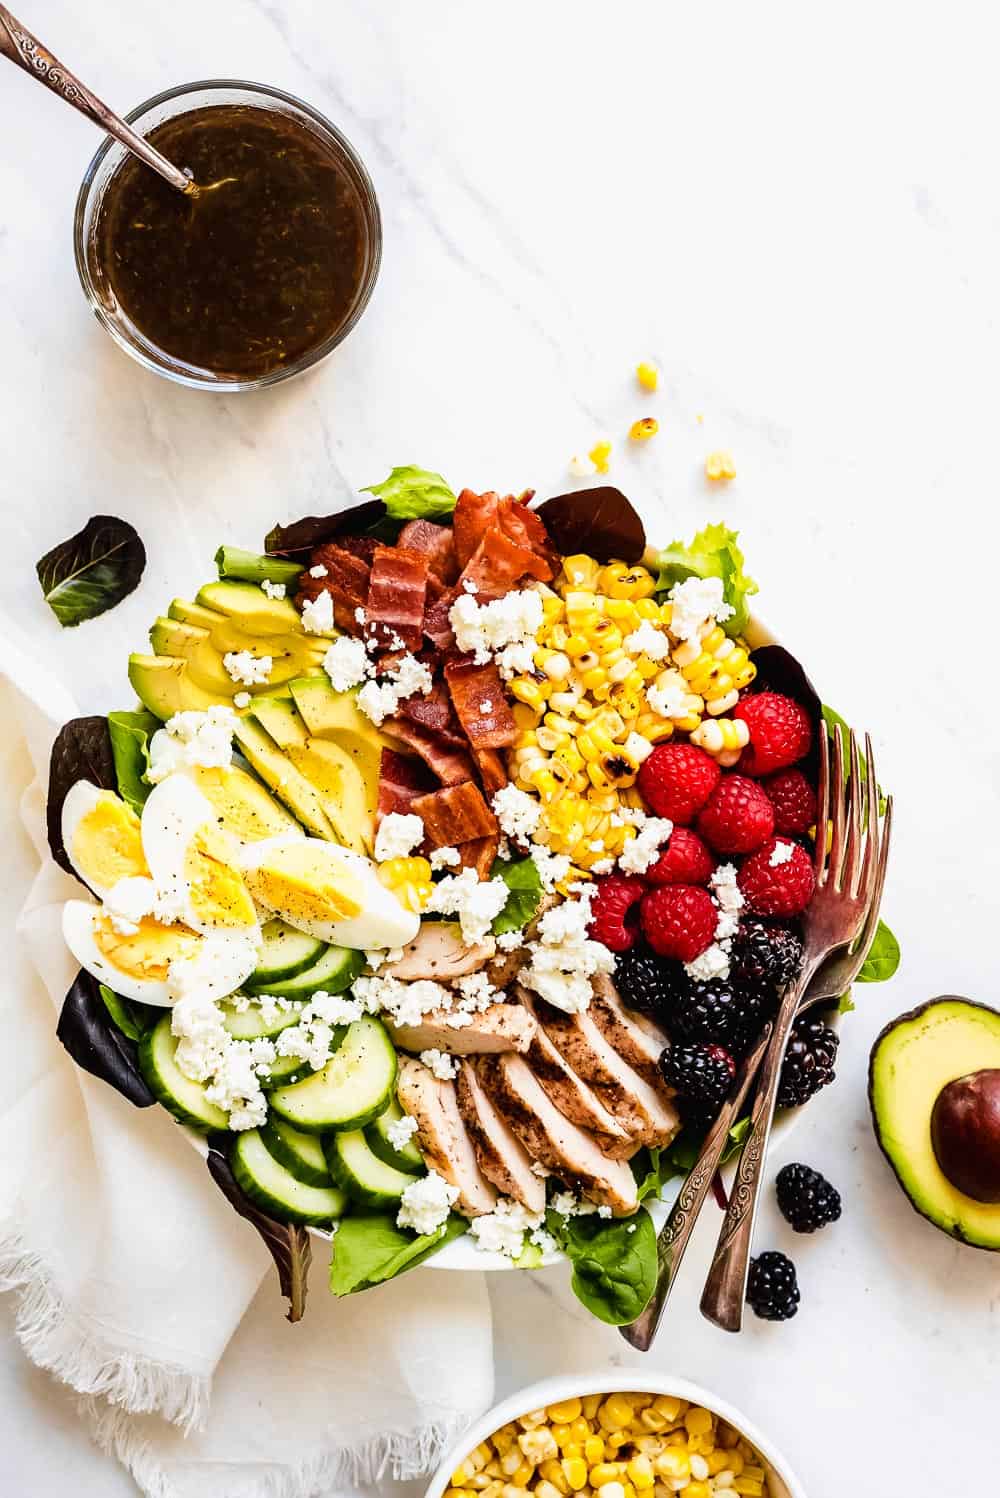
(912, 1016)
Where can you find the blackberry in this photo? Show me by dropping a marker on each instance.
(808, 1063)
(766, 956)
(701, 1074)
(806, 1199)
(717, 1013)
(649, 982)
(772, 1288)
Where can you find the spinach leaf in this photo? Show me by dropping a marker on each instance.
(97, 1045)
(846, 1004)
(288, 1243)
(522, 879)
(130, 735)
(683, 1152)
(370, 1249)
(712, 553)
(883, 957)
(82, 751)
(93, 570)
(411, 493)
(250, 567)
(599, 521)
(132, 1018)
(614, 1262)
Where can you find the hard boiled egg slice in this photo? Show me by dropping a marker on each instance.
(102, 837)
(136, 965)
(194, 861)
(328, 891)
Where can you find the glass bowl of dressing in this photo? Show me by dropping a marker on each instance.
(251, 281)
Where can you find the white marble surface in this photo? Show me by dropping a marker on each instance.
(797, 213)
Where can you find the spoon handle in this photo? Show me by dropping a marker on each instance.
(18, 44)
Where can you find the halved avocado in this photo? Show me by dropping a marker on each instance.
(163, 685)
(913, 1062)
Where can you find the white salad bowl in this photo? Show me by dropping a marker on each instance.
(782, 1482)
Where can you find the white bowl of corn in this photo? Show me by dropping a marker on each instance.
(561, 1439)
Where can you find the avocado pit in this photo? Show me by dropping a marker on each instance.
(965, 1134)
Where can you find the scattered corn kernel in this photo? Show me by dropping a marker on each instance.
(599, 455)
(648, 375)
(644, 428)
(719, 467)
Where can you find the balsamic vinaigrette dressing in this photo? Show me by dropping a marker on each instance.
(249, 276)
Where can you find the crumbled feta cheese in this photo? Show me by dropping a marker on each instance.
(631, 1227)
(643, 850)
(669, 695)
(728, 900)
(638, 747)
(567, 1204)
(468, 586)
(509, 941)
(727, 892)
(476, 993)
(517, 813)
(378, 702)
(712, 963)
(694, 603)
(485, 706)
(602, 866)
(552, 867)
(128, 901)
(242, 699)
(516, 660)
(407, 676)
(473, 900)
(192, 738)
(273, 590)
(486, 629)
(425, 1205)
(503, 1230)
(398, 834)
(318, 571)
(780, 853)
(250, 670)
(604, 1210)
(317, 614)
(405, 1003)
(540, 1170)
(400, 1131)
(441, 1064)
(648, 640)
(445, 858)
(360, 614)
(346, 663)
(564, 959)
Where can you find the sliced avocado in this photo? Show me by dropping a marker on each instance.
(336, 716)
(278, 717)
(289, 784)
(245, 807)
(163, 685)
(330, 768)
(194, 645)
(912, 1063)
(205, 648)
(253, 610)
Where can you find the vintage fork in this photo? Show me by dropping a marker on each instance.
(832, 980)
(849, 878)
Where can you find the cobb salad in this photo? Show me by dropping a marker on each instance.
(447, 866)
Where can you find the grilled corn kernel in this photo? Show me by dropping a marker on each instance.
(599, 455)
(409, 879)
(644, 428)
(648, 375)
(719, 467)
(554, 663)
(579, 571)
(526, 690)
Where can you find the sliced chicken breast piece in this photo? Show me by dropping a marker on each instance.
(571, 1095)
(438, 951)
(442, 1136)
(502, 1027)
(505, 966)
(570, 1153)
(637, 1038)
(502, 1158)
(646, 1111)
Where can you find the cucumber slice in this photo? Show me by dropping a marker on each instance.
(283, 953)
(408, 1158)
(301, 1154)
(274, 1188)
(334, 970)
(354, 1086)
(364, 1177)
(249, 1024)
(185, 1099)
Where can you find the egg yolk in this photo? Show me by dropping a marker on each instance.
(300, 886)
(217, 892)
(149, 952)
(107, 843)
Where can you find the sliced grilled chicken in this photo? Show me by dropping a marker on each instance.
(502, 1158)
(570, 1153)
(502, 1027)
(438, 952)
(636, 1037)
(442, 1136)
(570, 1093)
(644, 1110)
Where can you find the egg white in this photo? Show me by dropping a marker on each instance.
(78, 932)
(81, 799)
(382, 921)
(172, 816)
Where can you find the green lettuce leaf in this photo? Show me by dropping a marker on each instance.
(93, 570)
(411, 493)
(522, 879)
(712, 553)
(614, 1262)
(130, 735)
(370, 1249)
(131, 1018)
(883, 957)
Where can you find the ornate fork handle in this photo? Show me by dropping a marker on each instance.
(18, 44)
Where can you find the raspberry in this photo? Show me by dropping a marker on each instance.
(685, 860)
(614, 916)
(794, 802)
(679, 921)
(676, 780)
(783, 888)
(780, 732)
(738, 817)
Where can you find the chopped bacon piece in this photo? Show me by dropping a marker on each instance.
(492, 770)
(481, 703)
(452, 766)
(439, 544)
(434, 712)
(457, 814)
(400, 780)
(525, 528)
(346, 581)
(474, 514)
(479, 854)
(359, 546)
(396, 595)
(437, 626)
(499, 562)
